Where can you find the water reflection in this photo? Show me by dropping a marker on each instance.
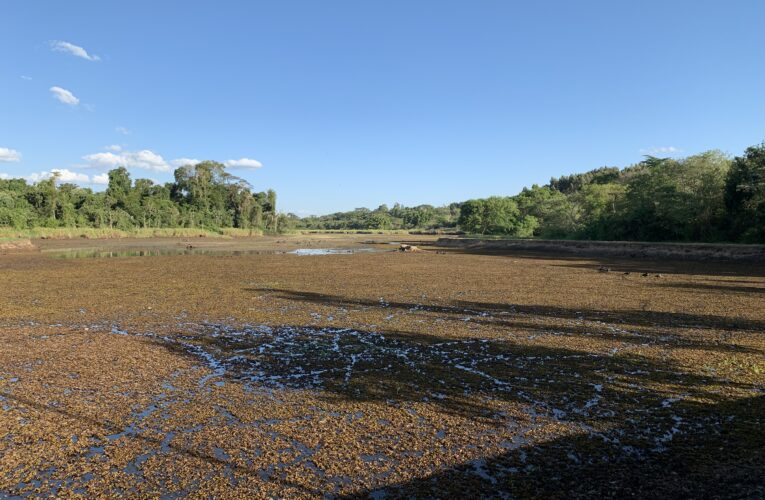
(103, 252)
(330, 251)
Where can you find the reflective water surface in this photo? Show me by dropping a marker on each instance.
(105, 252)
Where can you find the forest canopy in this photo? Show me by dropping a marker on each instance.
(202, 196)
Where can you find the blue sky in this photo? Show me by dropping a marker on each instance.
(358, 103)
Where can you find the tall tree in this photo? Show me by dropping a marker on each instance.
(745, 195)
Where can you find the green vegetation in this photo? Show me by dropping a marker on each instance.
(204, 198)
(91, 232)
(705, 197)
(384, 218)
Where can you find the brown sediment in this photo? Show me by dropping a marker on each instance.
(425, 374)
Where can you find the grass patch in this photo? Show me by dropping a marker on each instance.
(93, 233)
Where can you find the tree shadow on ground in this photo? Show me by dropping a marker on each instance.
(482, 311)
(636, 268)
(724, 457)
(641, 427)
(632, 264)
(717, 288)
(455, 375)
(458, 375)
(634, 317)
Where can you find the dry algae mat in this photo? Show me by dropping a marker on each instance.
(380, 374)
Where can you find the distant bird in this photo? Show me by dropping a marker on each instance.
(659, 276)
(603, 269)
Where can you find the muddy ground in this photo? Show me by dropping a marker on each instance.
(378, 374)
(719, 252)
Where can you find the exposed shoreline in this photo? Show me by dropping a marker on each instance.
(629, 249)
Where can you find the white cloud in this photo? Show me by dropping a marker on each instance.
(101, 179)
(122, 130)
(9, 155)
(75, 50)
(116, 156)
(64, 96)
(64, 175)
(243, 163)
(180, 162)
(144, 159)
(662, 150)
(25, 77)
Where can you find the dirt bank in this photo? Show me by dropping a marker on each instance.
(628, 249)
(16, 244)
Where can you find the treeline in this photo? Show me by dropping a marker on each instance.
(202, 196)
(398, 217)
(705, 197)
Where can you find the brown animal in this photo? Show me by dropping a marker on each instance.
(408, 248)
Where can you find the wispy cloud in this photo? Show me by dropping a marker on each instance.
(75, 50)
(8, 155)
(64, 96)
(661, 150)
(144, 159)
(180, 162)
(122, 130)
(113, 147)
(243, 163)
(25, 77)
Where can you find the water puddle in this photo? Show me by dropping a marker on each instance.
(362, 366)
(331, 251)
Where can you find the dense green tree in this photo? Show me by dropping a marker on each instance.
(680, 200)
(493, 215)
(119, 187)
(569, 184)
(378, 220)
(745, 195)
(601, 208)
(15, 210)
(203, 195)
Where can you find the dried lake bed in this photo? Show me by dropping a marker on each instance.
(272, 367)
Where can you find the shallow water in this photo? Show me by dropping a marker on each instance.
(104, 252)
(331, 251)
